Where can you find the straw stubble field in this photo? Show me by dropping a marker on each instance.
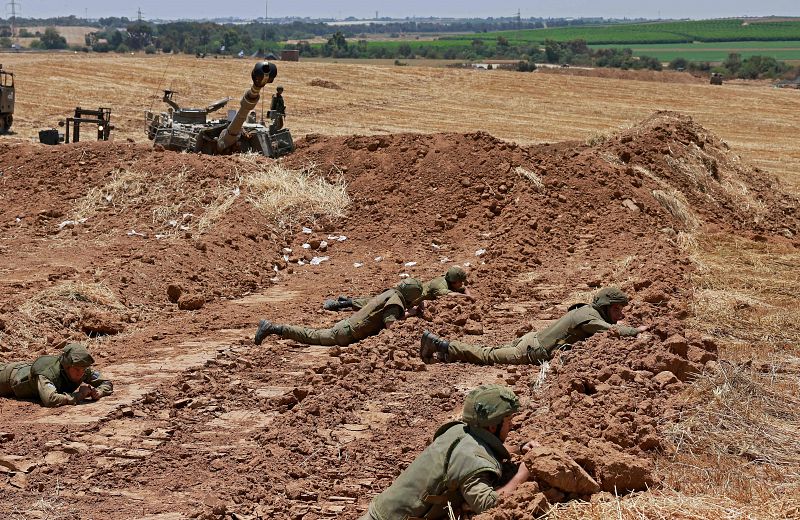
(737, 454)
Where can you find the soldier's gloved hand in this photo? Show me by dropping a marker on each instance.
(83, 392)
(95, 393)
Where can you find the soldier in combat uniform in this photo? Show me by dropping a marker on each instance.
(462, 466)
(55, 380)
(452, 283)
(277, 110)
(381, 312)
(580, 322)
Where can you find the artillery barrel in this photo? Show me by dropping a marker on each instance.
(263, 73)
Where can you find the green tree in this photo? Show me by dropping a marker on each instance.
(140, 35)
(679, 63)
(52, 40)
(733, 63)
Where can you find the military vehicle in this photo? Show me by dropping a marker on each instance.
(6, 100)
(188, 129)
(716, 78)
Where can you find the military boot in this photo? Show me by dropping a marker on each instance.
(265, 328)
(430, 344)
(342, 302)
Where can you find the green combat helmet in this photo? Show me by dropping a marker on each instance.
(76, 355)
(488, 405)
(455, 274)
(410, 289)
(609, 296)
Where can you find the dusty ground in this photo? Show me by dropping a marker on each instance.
(202, 422)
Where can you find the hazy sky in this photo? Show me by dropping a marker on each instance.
(402, 8)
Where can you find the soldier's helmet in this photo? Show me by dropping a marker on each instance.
(410, 289)
(608, 296)
(279, 88)
(455, 274)
(76, 355)
(488, 405)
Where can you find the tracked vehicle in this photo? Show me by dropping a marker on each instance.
(188, 129)
(6, 100)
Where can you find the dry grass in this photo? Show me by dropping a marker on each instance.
(747, 295)
(52, 308)
(291, 196)
(676, 204)
(535, 179)
(283, 196)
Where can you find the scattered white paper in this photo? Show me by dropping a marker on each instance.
(323, 244)
(236, 191)
(172, 223)
(466, 264)
(287, 250)
(357, 264)
(378, 258)
(319, 259)
(134, 233)
(307, 231)
(436, 246)
(160, 236)
(404, 275)
(341, 238)
(306, 246)
(410, 264)
(480, 252)
(444, 260)
(300, 262)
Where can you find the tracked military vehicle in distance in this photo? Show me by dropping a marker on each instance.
(6, 100)
(188, 129)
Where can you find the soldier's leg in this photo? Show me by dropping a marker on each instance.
(339, 334)
(5, 379)
(358, 303)
(515, 353)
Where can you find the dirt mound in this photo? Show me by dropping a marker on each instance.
(316, 82)
(283, 431)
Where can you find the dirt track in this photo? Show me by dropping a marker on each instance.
(203, 422)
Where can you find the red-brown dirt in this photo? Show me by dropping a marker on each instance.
(203, 423)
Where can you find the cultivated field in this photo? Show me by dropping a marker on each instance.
(735, 439)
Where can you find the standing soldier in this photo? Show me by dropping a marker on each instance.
(452, 283)
(461, 467)
(580, 322)
(381, 312)
(55, 380)
(277, 111)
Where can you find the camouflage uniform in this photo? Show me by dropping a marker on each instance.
(46, 379)
(380, 311)
(435, 288)
(580, 322)
(461, 466)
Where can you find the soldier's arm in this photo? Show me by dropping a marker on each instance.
(51, 397)
(478, 492)
(594, 326)
(95, 379)
(391, 315)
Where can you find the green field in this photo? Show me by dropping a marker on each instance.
(715, 52)
(650, 33)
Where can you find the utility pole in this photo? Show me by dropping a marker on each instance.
(266, 18)
(519, 20)
(139, 14)
(13, 5)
